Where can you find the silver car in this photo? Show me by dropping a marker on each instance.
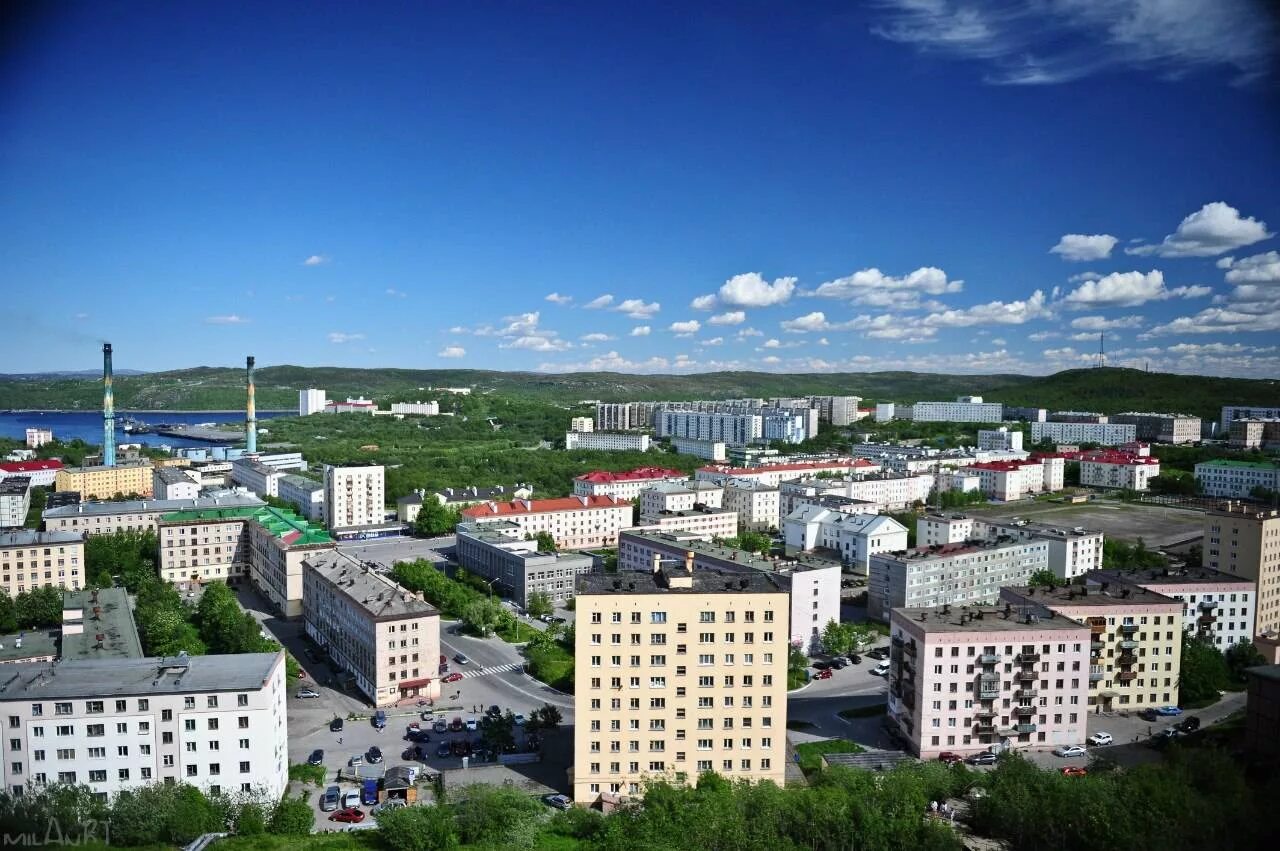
(330, 799)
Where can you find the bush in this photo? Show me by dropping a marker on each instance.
(314, 774)
(425, 828)
(810, 753)
(499, 817)
(292, 817)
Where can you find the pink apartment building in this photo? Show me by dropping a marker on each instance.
(973, 678)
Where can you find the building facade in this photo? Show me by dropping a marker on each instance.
(582, 424)
(1073, 551)
(262, 479)
(139, 515)
(106, 482)
(679, 496)
(575, 522)
(605, 441)
(710, 450)
(1237, 479)
(41, 474)
(31, 559)
(1118, 470)
(15, 502)
(311, 401)
(1243, 541)
(673, 713)
(173, 483)
(776, 474)
(37, 437)
(733, 429)
(854, 537)
(499, 551)
(1254, 434)
(1000, 440)
(1247, 412)
(307, 494)
(1162, 428)
(1216, 606)
(353, 496)
(757, 503)
(625, 485)
(1104, 433)
(966, 574)
(417, 409)
(703, 521)
(966, 409)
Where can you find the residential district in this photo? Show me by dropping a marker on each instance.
(723, 622)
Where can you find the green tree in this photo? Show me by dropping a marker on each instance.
(1044, 578)
(191, 815)
(224, 627)
(39, 607)
(1203, 672)
(837, 637)
(498, 733)
(250, 820)
(435, 519)
(292, 817)
(8, 613)
(539, 604)
(418, 829)
(548, 717)
(546, 542)
(496, 817)
(1240, 657)
(484, 615)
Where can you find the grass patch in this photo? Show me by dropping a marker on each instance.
(308, 773)
(550, 662)
(796, 677)
(799, 725)
(810, 753)
(356, 840)
(863, 711)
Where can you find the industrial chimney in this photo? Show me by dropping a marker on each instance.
(108, 411)
(250, 415)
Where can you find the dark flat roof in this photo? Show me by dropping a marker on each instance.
(705, 581)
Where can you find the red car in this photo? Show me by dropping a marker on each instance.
(950, 757)
(1075, 771)
(823, 675)
(452, 678)
(351, 815)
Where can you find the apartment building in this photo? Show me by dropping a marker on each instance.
(776, 474)
(384, 637)
(679, 496)
(1243, 541)
(499, 551)
(1118, 470)
(15, 502)
(174, 483)
(812, 582)
(279, 542)
(351, 406)
(582, 424)
(215, 722)
(41, 474)
(757, 503)
(607, 441)
(1262, 712)
(1162, 428)
(37, 437)
(1254, 434)
(967, 679)
(1000, 440)
(854, 537)
(1006, 481)
(138, 515)
(1231, 413)
(1237, 479)
(635, 708)
(416, 409)
(206, 544)
(733, 429)
(106, 482)
(703, 521)
(828, 493)
(307, 494)
(575, 522)
(624, 416)
(31, 559)
(710, 450)
(1072, 551)
(1102, 433)
(1217, 606)
(262, 479)
(885, 412)
(1030, 414)
(625, 485)
(1135, 648)
(969, 573)
(311, 401)
(353, 496)
(965, 409)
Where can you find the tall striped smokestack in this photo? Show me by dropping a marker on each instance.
(108, 411)
(250, 415)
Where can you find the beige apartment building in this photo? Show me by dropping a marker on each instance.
(353, 496)
(576, 522)
(31, 559)
(385, 637)
(1135, 643)
(106, 482)
(680, 671)
(1244, 541)
(137, 515)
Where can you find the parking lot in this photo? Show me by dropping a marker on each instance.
(1157, 525)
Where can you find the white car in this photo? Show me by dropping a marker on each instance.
(881, 670)
(1101, 739)
(1070, 751)
(350, 799)
(471, 725)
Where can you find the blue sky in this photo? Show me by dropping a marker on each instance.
(911, 184)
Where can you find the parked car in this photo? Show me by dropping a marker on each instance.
(855, 658)
(1101, 739)
(1148, 715)
(1070, 750)
(387, 806)
(1075, 771)
(879, 653)
(1189, 724)
(950, 757)
(443, 750)
(374, 755)
(349, 815)
(304, 694)
(1168, 710)
(452, 678)
(412, 729)
(494, 711)
(461, 659)
(519, 719)
(456, 724)
(316, 758)
(369, 792)
(331, 799)
(350, 800)
(335, 726)
(460, 748)
(984, 758)
(472, 725)
(441, 726)
(820, 665)
(356, 760)
(839, 662)
(823, 675)
(881, 670)
(560, 802)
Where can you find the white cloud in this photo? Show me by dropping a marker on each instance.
(344, 337)
(1079, 247)
(771, 359)
(395, 293)
(1220, 320)
(636, 308)
(1090, 336)
(458, 329)
(874, 288)
(595, 338)
(1101, 323)
(1213, 229)
(773, 343)
(992, 313)
(731, 317)
(452, 352)
(822, 341)
(1258, 269)
(1128, 289)
(999, 341)
(883, 327)
(599, 302)
(522, 324)
(557, 298)
(686, 329)
(640, 331)
(537, 344)
(714, 341)
(225, 319)
(743, 333)
(815, 321)
(316, 260)
(1040, 336)
(82, 316)
(752, 290)
(610, 362)
(1083, 276)
(704, 302)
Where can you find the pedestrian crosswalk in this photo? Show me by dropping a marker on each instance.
(495, 669)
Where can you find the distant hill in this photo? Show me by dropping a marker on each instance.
(70, 373)
(1109, 390)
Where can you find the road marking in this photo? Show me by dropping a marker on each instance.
(494, 669)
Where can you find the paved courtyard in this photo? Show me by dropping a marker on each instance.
(1157, 525)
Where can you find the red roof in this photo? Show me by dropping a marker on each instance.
(800, 466)
(638, 474)
(1118, 458)
(1002, 466)
(30, 466)
(542, 506)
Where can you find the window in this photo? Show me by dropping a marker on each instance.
(62, 709)
(94, 731)
(244, 767)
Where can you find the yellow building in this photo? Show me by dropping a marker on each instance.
(1244, 541)
(30, 559)
(1135, 642)
(679, 672)
(106, 482)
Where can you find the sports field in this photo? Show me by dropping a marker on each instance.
(1157, 525)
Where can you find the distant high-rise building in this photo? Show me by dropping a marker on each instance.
(353, 496)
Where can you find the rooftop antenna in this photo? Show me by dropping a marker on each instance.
(1102, 349)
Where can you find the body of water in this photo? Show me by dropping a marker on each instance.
(87, 425)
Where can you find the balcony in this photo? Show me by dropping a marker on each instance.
(988, 658)
(1096, 645)
(1024, 710)
(1025, 658)
(1128, 628)
(1096, 675)
(1026, 676)
(984, 713)
(1128, 645)
(1025, 728)
(985, 729)
(1127, 676)
(1126, 659)
(1025, 693)
(1206, 620)
(1207, 605)
(988, 691)
(1097, 626)
(989, 676)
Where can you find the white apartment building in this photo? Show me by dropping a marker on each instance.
(1254, 434)
(353, 496)
(1104, 434)
(1217, 606)
(215, 722)
(311, 401)
(829, 493)
(1247, 412)
(1118, 470)
(1011, 480)
(1237, 479)
(107, 518)
(756, 503)
(417, 409)
(776, 474)
(626, 485)
(262, 479)
(37, 437)
(711, 450)
(385, 637)
(1000, 439)
(1072, 551)
(957, 480)
(854, 536)
(174, 483)
(15, 502)
(614, 416)
(41, 474)
(500, 552)
(582, 424)
(605, 441)
(575, 522)
(884, 412)
(31, 559)
(734, 429)
(706, 522)
(1162, 428)
(633, 724)
(965, 409)
(1243, 541)
(968, 573)
(307, 494)
(679, 496)
(975, 678)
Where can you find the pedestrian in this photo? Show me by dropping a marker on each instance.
(339, 740)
